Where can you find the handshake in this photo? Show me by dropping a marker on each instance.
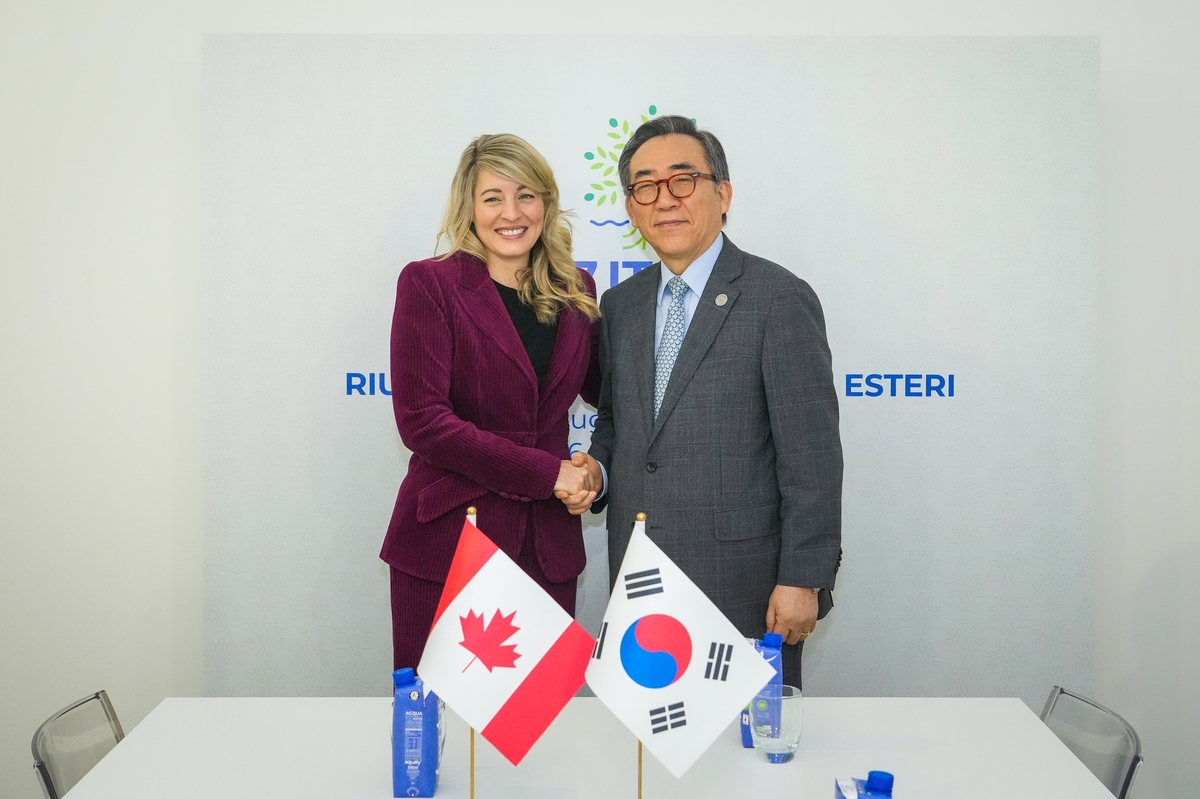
(579, 482)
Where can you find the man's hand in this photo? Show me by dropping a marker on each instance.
(593, 467)
(572, 478)
(580, 500)
(792, 612)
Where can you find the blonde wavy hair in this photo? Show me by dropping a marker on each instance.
(552, 281)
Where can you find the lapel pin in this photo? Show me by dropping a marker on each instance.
(721, 300)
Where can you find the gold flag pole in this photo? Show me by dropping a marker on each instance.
(641, 517)
(639, 770)
(471, 518)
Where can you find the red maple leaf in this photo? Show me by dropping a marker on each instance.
(487, 643)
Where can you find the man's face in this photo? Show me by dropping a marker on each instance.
(679, 229)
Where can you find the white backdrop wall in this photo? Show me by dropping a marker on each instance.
(940, 196)
(101, 328)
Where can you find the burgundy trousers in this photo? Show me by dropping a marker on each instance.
(414, 601)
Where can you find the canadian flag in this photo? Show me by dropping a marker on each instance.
(501, 652)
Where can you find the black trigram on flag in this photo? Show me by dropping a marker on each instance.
(643, 584)
(598, 650)
(667, 718)
(718, 661)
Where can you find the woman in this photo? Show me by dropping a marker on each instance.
(491, 344)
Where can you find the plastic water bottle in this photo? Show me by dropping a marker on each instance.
(417, 736)
(877, 785)
(770, 647)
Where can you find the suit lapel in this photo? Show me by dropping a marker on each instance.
(486, 311)
(701, 333)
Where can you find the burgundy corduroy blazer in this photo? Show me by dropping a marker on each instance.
(481, 431)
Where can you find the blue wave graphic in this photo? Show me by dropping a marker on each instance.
(609, 222)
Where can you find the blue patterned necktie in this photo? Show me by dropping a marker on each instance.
(672, 339)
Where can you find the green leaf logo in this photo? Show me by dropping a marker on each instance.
(607, 157)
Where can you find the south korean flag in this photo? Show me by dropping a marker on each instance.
(667, 663)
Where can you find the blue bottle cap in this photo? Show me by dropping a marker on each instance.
(403, 677)
(879, 782)
(773, 640)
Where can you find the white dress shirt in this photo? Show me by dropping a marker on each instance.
(696, 276)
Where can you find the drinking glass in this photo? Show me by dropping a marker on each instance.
(776, 720)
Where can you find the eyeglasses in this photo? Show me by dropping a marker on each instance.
(645, 192)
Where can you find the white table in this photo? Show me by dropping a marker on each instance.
(327, 748)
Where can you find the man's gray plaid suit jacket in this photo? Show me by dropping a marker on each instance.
(740, 476)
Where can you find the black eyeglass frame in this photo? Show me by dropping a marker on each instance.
(695, 176)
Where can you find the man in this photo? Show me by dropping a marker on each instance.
(718, 416)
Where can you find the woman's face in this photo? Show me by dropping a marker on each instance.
(508, 218)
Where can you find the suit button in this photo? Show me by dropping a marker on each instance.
(651, 466)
